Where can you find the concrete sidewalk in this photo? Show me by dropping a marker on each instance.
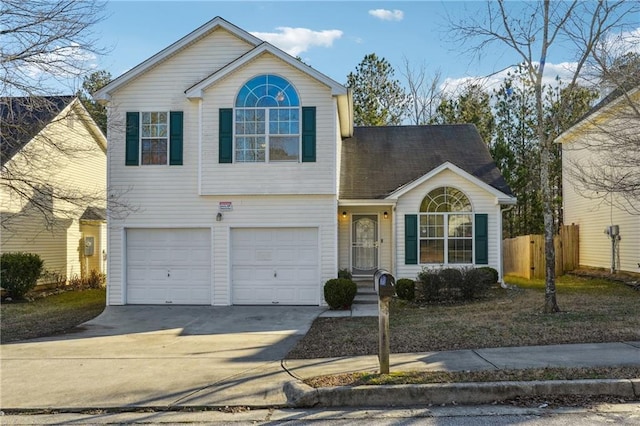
(623, 354)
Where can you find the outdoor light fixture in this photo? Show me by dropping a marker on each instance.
(344, 215)
(385, 215)
(219, 217)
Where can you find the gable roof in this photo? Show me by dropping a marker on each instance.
(94, 213)
(377, 161)
(614, 98)
(21, 118)
(196, 90)
(217, 22)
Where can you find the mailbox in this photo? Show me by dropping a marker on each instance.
(384, 283)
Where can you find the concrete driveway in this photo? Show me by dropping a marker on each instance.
(158, 356)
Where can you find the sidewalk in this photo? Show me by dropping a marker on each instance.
(621, 354)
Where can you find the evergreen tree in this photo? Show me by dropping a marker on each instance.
(378, 99)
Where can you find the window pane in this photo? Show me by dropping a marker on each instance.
(460, 250)
(431, 251)
(250, 149)
(154, 151)
(460, 225)
(283, 148)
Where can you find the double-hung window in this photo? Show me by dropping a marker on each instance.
(154, 137)
(446, 227)
(267, 121)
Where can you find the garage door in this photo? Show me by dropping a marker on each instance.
(275, 266)
(169, 266)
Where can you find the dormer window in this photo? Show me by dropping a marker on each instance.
(267, 121)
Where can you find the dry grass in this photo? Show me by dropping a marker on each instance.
(425, 377)
(49, 315)
(593, 310)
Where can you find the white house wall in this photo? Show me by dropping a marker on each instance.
(168, 196)
(593, 215)
(269, 178)
(248, 211)
(481, 200)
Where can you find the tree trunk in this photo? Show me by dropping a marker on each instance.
(550, 301)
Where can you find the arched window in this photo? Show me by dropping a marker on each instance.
(267, 121)
(446, 227)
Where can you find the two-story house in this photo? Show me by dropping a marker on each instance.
(252, 186)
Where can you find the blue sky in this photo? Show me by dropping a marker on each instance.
(331, 36)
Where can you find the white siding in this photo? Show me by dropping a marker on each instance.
(248, 211)
(285, 195)
(594, 215)
(270, 178)
(481, 200)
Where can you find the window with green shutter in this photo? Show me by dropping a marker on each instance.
(154, 138)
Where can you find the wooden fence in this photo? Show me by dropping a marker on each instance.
(524, 255)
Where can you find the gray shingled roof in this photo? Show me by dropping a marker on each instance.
(21, 118)
(94, 213)
(378, 160)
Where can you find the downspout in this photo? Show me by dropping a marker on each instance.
(501, 257)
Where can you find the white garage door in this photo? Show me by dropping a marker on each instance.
(275, 266)
(169, 266)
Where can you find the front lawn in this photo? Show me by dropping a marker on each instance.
(593, 310)
(49, 315)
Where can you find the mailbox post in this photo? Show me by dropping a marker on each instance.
(384, 284)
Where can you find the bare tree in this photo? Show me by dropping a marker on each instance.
(532, 31)
(46, 46)
(424, 92)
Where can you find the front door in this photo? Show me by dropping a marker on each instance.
(364, 244)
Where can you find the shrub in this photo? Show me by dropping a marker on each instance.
(451, 285)
(345, 273)
(428, 286)
(19, 273)
(493, 272)
(405, 289)
(340, 292)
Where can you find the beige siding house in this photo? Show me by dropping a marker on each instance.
(598, 213)
(52, 199)
(234, 157)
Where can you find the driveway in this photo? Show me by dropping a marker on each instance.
(158, 356)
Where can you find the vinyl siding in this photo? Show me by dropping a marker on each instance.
(248, 211)
(81, 169)
(263, 195)
(481, 200)
(593, 215)
(276, 177)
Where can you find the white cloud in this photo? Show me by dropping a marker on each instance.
(387, 15)
(297, 40)
(563, 71)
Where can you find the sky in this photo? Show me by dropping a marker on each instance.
(331, 36)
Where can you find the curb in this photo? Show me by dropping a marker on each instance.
(300, 395)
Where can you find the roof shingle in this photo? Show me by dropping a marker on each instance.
(378, 160)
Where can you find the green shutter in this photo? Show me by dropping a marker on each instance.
(175, 137)
(308, 134)
(225, 134)
(482, 239)
(411, 239)
(132, 144)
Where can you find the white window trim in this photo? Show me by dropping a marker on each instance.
(446, 237)
(140, 137)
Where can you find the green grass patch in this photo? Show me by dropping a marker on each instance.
(49, 315)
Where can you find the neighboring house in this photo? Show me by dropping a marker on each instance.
(253, 187)
(589, 144)
(53, 184)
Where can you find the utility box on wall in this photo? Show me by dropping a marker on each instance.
(89, 246)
